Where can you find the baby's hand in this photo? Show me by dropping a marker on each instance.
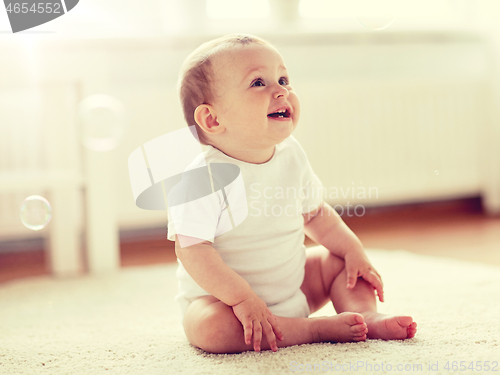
(358, 265)
(257, 318)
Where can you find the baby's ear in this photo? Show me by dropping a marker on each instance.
(204, 116)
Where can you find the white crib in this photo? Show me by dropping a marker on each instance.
(38, 156)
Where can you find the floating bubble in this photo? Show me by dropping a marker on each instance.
(436, 172)
(376, 22)
(102, 122)
(36, 212)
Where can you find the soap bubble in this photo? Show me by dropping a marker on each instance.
(36, 212)
(376, 22)
(102, 122)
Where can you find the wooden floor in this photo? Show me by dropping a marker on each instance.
(456, 229)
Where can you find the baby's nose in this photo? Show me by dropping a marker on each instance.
(281, 91)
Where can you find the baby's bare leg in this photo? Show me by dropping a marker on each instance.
(326, 280)
(212, 326)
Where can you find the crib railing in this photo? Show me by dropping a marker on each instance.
(40, 155)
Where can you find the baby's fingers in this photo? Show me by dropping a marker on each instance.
(247, 331)
(376, 281)
(276, 328)
(271, 338)
(352, 277)
(257, 336)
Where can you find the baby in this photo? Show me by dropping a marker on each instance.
(254, 286)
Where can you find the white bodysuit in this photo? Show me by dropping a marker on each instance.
(267, 248)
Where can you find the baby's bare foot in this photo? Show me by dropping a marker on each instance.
(389, 327)
(344, 327)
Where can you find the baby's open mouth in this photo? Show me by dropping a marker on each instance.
(280, 114)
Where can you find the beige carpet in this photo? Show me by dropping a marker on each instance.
(128, 323)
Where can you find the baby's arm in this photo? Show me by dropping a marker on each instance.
(207, 268)
(326, 227)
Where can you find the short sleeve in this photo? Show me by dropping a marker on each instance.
(197, 219)
(313, 194)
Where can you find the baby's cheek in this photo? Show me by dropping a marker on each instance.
(296, 105)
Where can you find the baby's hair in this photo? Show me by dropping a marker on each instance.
(196, 75)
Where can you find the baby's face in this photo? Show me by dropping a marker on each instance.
(252, 84)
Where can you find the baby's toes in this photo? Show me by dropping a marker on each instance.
(353, 319)
(405, 321)
(360, 333)
(357, 328)
(412, 330)
(359, 337)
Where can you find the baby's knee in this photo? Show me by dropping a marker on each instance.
(331, 263)
(337, 261)
(320, 257)
(332, 266)
(208, 327)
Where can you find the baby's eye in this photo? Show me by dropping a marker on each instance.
(255, 83)
(284, 80)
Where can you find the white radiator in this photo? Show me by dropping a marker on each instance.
(390, 142)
